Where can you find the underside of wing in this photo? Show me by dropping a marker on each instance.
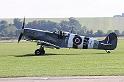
(46, 44)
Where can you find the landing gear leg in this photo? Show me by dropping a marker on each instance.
(107, 51)
(40, 51)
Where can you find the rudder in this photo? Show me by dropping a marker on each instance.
(109, 43)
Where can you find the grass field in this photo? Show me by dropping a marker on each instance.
(18, 60)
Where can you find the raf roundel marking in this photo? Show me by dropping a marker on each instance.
(77, 40)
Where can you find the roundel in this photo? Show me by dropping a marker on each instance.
(77, 40)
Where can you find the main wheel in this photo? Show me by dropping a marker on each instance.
(39, 52)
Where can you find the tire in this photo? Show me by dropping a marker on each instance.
(39, 52)
(77, 40)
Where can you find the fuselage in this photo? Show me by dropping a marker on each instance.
(63, 40)
(69, 40)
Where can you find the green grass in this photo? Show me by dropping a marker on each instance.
(18, 60)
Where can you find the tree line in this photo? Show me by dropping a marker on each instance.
(71, 25)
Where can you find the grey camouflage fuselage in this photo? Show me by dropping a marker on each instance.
(70, 40)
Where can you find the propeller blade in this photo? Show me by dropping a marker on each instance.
(22, 31)
(20, 37)
(23, 24)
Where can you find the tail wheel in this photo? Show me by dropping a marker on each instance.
(39, 52)
(107, 51)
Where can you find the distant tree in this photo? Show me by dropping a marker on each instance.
(18, 23)
(9, 31)
(64, 25)
(117, 32)
(89, 33)
(43, 25)
(109, 31)
(3, 25)
(73, 25)
(70, 25)
(122, 33)
(83, 31)
(99, 33)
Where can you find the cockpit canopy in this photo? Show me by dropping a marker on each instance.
(61, 34)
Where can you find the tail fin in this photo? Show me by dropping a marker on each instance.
(109, 43)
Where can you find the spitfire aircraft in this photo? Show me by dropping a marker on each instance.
(62, 39)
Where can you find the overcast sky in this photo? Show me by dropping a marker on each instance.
(60, 8)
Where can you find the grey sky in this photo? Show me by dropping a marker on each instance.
(60, 8)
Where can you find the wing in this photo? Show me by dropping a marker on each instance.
(46, 44)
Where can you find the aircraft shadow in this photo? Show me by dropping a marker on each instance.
(47, 54)
(101, 53)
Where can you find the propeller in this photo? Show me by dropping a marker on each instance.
(22, 31)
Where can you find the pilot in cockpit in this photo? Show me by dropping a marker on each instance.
(60, 34)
